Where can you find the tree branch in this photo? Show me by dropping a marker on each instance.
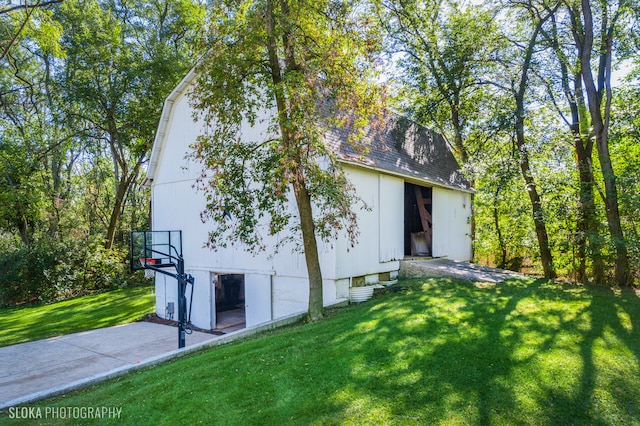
(29, 6)
(29, 9)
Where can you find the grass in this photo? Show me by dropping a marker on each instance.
(24, 324)
(440, 352)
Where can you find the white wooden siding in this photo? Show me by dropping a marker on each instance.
(451, 224)
(391, 205)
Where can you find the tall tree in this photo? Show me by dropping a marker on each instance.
(568, 80)
(519, 70)
(625, 142)
(311, 64)
(594, 36)
(446, 51)
(28, 133)
(123, 58)
(33, 153)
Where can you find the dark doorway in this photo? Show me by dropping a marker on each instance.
(417, 220)
(229, 302)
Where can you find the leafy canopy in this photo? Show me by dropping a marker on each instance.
(324, 75)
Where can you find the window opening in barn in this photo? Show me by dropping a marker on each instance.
(418, 223)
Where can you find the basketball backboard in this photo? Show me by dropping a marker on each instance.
(157, 248)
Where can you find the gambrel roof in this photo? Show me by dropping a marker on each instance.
(399, 147)
(405, 148)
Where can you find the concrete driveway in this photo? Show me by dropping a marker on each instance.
(441, 267)
(34, 370)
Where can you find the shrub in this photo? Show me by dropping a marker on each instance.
(47, 271)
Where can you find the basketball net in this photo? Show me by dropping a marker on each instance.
(148, 273)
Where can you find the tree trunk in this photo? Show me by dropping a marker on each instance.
(23, 230)
(496, 222)
(586, 224)
(458, 142)
(622, 276)
(124, 184)
(115, 214)
(600, 124)
(536, 204)
(303, 198)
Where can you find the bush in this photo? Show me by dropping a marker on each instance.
(47, 271)
(25, 274)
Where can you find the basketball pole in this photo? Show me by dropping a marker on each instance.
(182, 303)
(176, 261)
(183, 279)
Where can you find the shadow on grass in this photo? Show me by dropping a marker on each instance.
(442, 358)
(607, 377)
(520, 352)
(440, 352)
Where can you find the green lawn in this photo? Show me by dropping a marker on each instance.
(440, 352)
(28, 323)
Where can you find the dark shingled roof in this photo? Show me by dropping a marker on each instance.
(404, 147)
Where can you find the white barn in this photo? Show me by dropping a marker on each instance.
(420, 204)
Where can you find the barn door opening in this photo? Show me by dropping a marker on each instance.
(418, 225)
(229, 301)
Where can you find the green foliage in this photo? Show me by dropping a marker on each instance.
(83, 81)
(123, 59)
(517, 246)
(319, 75)
(460, 65)
(509, 243)
(81, 91)
(294, 72)
(46, 271)
(29, 22)
(625, 152)
(20, 194)
(439, 352)
(446, 54)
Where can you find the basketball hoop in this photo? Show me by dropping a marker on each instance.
(148, 273)
(161, 251)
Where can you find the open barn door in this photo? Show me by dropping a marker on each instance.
(257, 298)
(418, 222)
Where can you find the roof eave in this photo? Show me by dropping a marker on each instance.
(406, 176)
